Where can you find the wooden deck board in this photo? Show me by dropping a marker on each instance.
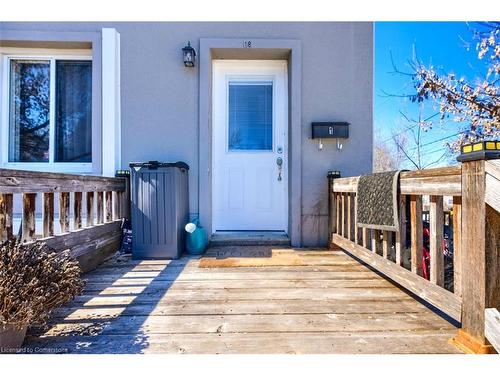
(135, 288)
(185, 307)
(251, 323)
(331, 304)
(422, 342)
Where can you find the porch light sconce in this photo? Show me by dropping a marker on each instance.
(189, 55)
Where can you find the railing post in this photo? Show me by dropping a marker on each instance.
(401, 233)
(457, 243)
(100, 207)
(48, 214)
(64, 211)
(332, 205)
(28, 221)
(124, 196)
(480, 251)
(416, 235)
(109, 208)
(90, 209)
(436, 240)
(6, 206)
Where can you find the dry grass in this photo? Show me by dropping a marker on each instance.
(34, 280)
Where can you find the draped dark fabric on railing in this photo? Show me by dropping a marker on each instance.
(377, 201)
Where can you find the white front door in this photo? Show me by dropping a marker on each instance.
(249, 145)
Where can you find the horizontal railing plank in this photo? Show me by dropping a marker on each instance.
(73, 239)
(346, 184)
(492, 193)
(492, 327)
(433, 172)
(90, 246)
(492, 167)
(436, 185)
(444, 300)
(437, 181)
(17, 181)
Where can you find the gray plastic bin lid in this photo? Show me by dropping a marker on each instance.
(154, 164)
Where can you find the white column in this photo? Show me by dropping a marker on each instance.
(111, 109)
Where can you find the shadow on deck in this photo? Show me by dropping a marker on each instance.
(327, 302)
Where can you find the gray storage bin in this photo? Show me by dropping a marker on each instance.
(160, 209)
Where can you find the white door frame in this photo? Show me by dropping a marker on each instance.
(253, 70)
(264, 49)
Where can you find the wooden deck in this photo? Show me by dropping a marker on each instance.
(330, 303)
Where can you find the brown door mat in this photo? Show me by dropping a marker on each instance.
(257, 256)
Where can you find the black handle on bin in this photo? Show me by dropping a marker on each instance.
(155, 164)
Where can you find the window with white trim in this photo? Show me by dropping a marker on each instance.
(48, 112)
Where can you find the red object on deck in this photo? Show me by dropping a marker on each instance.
(426, 254)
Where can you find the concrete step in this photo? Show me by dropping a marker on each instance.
(249, 238)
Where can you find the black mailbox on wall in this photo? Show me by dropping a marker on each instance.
(330, 130)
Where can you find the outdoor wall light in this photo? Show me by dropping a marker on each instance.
(189, 55)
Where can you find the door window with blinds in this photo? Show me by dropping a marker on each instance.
(49, 110)
(250, 116)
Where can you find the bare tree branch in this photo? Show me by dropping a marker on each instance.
(476, 105)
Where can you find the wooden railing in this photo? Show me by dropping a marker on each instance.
(474, 191)
(106, 203)
(387, 249)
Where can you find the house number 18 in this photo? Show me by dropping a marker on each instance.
(247, 44)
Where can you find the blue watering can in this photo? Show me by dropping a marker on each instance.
(196, 238)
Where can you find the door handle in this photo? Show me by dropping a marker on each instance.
(279, 162)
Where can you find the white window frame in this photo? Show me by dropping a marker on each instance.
(50, 166)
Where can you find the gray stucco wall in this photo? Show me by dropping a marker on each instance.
(160, 96)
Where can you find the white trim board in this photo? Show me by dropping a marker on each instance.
(45, 51)
(111, 104)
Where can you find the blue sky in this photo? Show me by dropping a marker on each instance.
(440, 44)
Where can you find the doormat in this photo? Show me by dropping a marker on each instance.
(250, 256)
